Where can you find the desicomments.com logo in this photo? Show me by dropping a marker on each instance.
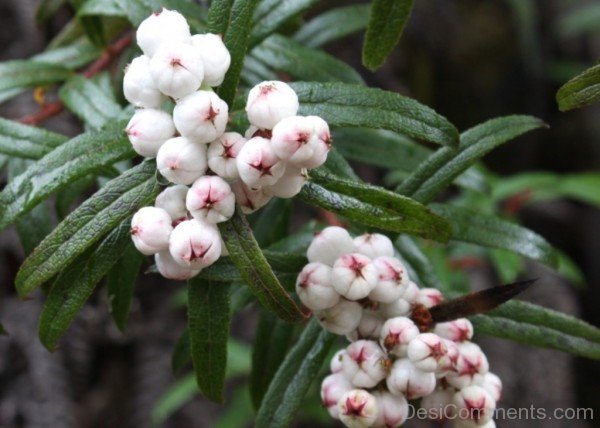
(451, 412)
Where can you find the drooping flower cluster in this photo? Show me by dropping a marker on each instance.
(210, 169)
(358, 288)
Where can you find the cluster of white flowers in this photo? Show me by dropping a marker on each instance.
(192, 148)
(358, 288)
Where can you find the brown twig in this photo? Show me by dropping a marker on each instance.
(104, 61)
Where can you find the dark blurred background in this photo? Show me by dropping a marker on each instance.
(470, 60)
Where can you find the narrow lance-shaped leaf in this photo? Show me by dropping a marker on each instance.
(208, 320)
(254, 269)
(107, 208)
(295, 375)
(25, 141)
(75, 284)
(181, 352)
(219, 16)
(386, 24)
(346, 105)
(20, 73)
(580, 91)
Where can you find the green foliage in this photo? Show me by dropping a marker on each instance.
(580, 91)
(120, 283)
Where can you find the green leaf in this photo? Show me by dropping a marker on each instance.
(84, 154)
(209, 317)
(91, 25)
(25, 141)
(218, 16)
(418, 261)
(271, 342)
(236, 39)
(386, 24)
(444, 165)
(300, 367)
(580, 91)
(342, 104)
(89, 102)
(373, 206)
(272, 14)
(333, 25)
(120, 283)
(271, 223)
(72, 56)
(285, 55)
(47, 8)
(75, 284)
(490, 231)
(20, 73)
(181, 352)
(70, 194)
(3, 331)
(101, 213)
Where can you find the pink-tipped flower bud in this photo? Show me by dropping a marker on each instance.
(396, 334)
(269, 102)
(215, 56)
(249, 199)
(314, 288)
(172, 200)
(491, 383)
(138, 86)
(471, 362)
(358, 409)
(430, 297)
(150, 230)
(404, 378)
(336, 364)
(258, 165)
(322, 145)
(473, 403)
(366, 364)
(330, 244)
(181, 161)
(341, 318)
(411, 293)
(438, 404)
(177, 69)
(333, 388)
(354, 276)
(392, 282)
(170, 269)
(210, 199)
(459, 330)
(428, 352)
(201, 116)
(393, 410)
(166, 26)
(222, 154)
(369, 327)
(195, 244)
(398, 308)
(148, 130)
(290, 183)
(293, 139)
(374, 245)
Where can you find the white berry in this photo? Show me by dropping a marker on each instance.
(177, 69)
(314, 287)
(215, 56)
(148, 130)
(269, 102)
(211, 199)
(138, 86)
(195, 244)
(201, 116)
(166, 26)
(181, 161)
(257, 163)
(150, 230)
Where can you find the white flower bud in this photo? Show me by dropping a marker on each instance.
(374, 245)
(210, 199)
(459, 330)
(201, 116)
(215, 56)
(392, 282)
(138, 86)
(172, 200)
(269, 102)
(177, 69)
(257, 163)
(148, 130)
(222, 154)
(150, 230)
(438, 404)
(406, 379)
(393, 410)
(398, 308)
(354, 276)
(396, 334)
(290, 183)
(341, 318)
(491, 383)
(473, 403)
(170, 269)
(411, 293)
(249, 199)
(322, 145)
(161, 27)
(293, 139)
(330, 244)
(336, 366)
(314, 288)
(333, 388)
(369, 327)
(471, 362)
(358, 409)
(181, 161)
(430, 297)
(195, 244)
(449, 362)
(365, 366)
(428, 352)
